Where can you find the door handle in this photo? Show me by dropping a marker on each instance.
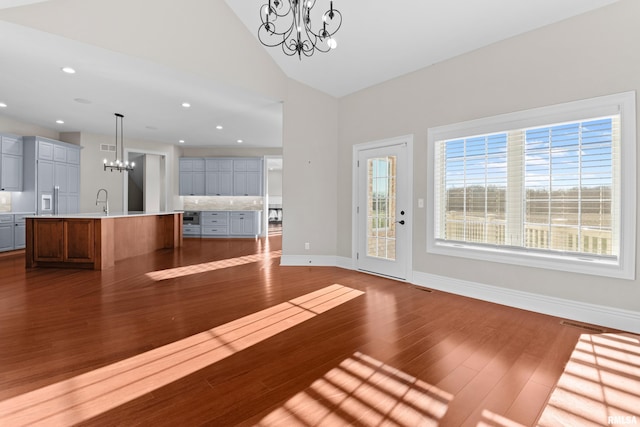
(401, 222)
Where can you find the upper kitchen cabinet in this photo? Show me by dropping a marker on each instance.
(247, 177)
(192, 177)
(219, 177)
(11, 163)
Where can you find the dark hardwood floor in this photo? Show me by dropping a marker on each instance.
(381, 352)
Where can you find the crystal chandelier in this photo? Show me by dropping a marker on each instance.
(117, 164)
(288, 24)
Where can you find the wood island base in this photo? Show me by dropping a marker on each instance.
(97, 242)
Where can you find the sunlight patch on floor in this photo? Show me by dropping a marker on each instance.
(600, 384)
(188, 270)
(363, 391)
(93, 393)
(491, 419)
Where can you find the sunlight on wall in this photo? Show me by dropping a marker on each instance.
(90, 394)
(363, 391)
(172, 273)
(600, 384)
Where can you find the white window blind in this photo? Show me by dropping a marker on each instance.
(548, 188)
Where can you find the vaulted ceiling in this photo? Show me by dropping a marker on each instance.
(379, 40)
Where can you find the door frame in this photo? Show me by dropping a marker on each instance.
(164, 170)
(357, 148)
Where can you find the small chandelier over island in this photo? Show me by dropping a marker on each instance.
(117, 164)
(288, 24)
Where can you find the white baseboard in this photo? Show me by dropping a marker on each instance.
(306, 260)
(616, 318)
(610, 317)
(344, 262)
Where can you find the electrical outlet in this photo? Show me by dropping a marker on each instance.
(307, 246)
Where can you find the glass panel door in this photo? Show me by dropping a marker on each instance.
(383, 211)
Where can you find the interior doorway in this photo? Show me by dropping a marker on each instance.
(273, 214)
(145, 187)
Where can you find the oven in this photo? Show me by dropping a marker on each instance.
(191, 218)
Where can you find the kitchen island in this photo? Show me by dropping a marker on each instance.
(97, 241)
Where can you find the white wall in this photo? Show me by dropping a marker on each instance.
(17, 127)
(587, 56)
(152, 186)
(310, 173)
(274, 187)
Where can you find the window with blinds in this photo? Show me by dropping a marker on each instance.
(538, 186)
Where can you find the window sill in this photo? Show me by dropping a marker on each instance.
(573, 263)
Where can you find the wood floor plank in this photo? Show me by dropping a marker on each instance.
(415, 356)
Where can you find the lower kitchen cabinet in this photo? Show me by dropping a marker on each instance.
(214, 223)
(245, 223)
(189, 230)
(6, 232)
(12, 231)
(19, 230)
(225, 224)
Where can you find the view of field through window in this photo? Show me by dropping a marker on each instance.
(550, 188)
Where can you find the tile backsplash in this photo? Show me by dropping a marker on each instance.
(5, 201)
(222, 203)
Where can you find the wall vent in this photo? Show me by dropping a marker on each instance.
(107, 147)
(589, 328)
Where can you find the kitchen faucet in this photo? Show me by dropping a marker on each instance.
(105, 209)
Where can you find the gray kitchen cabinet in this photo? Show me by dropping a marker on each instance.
(214, 223)
(191, 230)
(11, 172)
(219, 177)
(59, 154)
(244, 223)
(6, 232)
(192, 177)
(247, 177)
(55, 168)
(19, 231)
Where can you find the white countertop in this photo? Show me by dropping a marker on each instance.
(98, 215)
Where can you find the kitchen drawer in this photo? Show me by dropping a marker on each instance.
(214, 221)
(215, 231)
(214, 218)
(191, 230)
(20, 218)
(6, 219)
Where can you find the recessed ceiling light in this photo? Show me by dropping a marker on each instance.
(186, 105)
(240, 141)
(60, 122)
(3, 105)
(181, 141)
(219, 127)
(68, 70)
